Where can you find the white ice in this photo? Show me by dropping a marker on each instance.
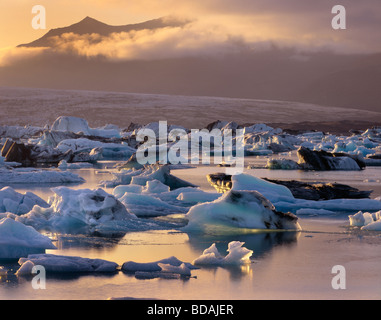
(18, 240)
(366, 220)
(17, 203)
(70, 207)
(38, 176)
(283, 200)
(237, 211)
(237, 255)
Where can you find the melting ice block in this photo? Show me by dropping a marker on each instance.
(237, 255)
(18, 240)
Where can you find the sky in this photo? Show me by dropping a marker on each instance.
(296, 23)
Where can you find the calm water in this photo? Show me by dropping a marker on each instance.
(286, 265)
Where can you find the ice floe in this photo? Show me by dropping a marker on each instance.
(65, 264)
(18, 240)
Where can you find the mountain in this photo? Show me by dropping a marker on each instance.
(319, 77)
(89, 25)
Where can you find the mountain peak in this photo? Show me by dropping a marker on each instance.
(89, 25)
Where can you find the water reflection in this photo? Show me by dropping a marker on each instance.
(262, 243)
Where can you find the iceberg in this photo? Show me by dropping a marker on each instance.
(81, 126)
(18, 240)
(145, 205)
(65, 264)
(237, 255)
(17, 203)
(283, 200)
(323, 160)
(38, 176)
(237, 211)
(148, 173)
(166, 268)
(83, 207)
(109, 150)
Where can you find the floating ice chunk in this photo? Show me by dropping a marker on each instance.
(282, 164)
(197, 196)
(272, 191)
(63, 165)
(148, 173)
(35, 176)
(155, 186)
(132, 267)
(119, 191)
(366, 220)
(182, 270)
(109, 150)
(18, 240)
(71, 124)
(237, 210)
(12, 201)
(66, 264)
(147, 205)
(373, 226)
(237, 255)
(77, 207)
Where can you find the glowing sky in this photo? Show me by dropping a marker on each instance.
(289, 22)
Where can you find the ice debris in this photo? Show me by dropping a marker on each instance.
(366, 220)
(237, 255)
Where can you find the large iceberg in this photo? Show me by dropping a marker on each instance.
(83, 207)
(17, 203)
(238, 211)
(18, 240)
(65, 264)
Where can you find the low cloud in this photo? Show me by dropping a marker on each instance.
(11, 55)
